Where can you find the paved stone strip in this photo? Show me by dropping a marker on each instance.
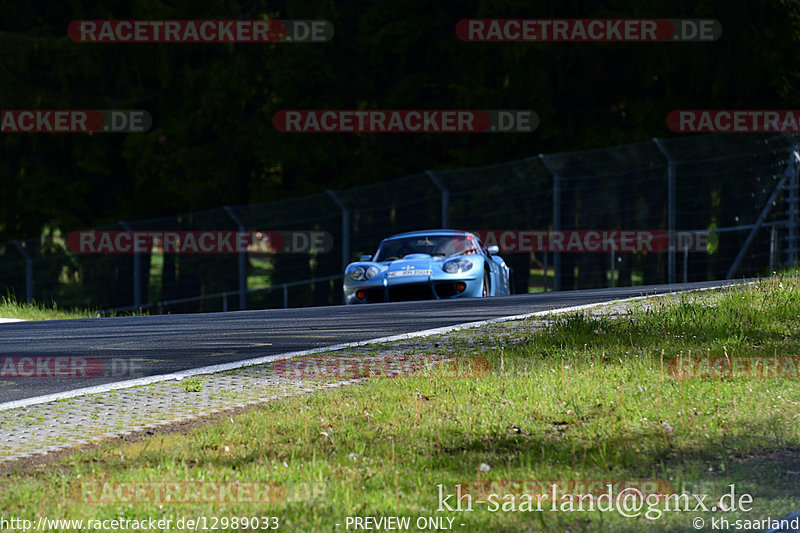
(56, 425)
(43, 428)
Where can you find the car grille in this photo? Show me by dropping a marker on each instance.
(375, 295)
(446, 289)
(410, 292)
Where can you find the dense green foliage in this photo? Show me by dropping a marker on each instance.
(213, 143)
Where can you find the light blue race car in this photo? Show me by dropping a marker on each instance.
(427, 265)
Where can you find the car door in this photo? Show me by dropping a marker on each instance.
(493, 267)
(499, 272)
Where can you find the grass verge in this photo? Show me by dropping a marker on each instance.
(11, 308)
(588, 398)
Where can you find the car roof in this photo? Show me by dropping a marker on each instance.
(430, 232)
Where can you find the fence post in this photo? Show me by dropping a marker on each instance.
(793, 218)
(28, 271)
(242, 259)
(685, 264)
(445, 197)
(345, 227)
(345, 233)
(613, 268)
(670, 210)
(791, 170)
(137, 274)
(545, 271)
(556, 218)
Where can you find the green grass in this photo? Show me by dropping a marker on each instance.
(586, 399)
(260, 272)
(538, 282)
(192, 385)
(11, 308)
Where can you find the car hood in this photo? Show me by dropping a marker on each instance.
(413, 262)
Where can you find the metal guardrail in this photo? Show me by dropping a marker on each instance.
(160, 305)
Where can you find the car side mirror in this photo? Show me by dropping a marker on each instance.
(493, 250)
(365, 258)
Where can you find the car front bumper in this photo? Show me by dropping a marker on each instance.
(409, 291)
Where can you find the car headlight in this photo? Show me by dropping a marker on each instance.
(457, 265)
(371, 272)
(361, 273)
(357, 273)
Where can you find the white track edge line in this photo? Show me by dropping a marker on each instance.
(226, 367)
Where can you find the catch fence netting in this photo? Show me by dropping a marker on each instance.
(727, 203)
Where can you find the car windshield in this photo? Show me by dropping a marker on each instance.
(435, 245)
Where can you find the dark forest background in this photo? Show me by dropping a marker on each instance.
(213, 143)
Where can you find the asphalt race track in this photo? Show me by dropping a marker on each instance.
(129, 347)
